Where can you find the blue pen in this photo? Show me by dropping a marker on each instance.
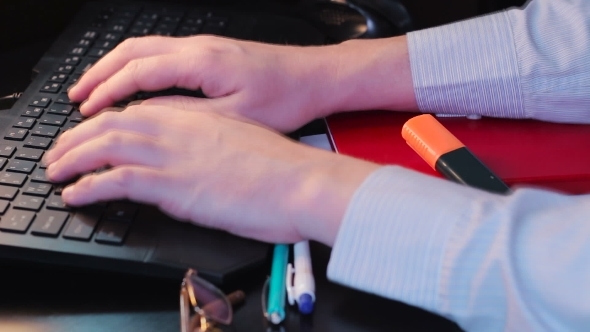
(300, 282)
(276, 291)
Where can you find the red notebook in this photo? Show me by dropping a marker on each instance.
(542, 154)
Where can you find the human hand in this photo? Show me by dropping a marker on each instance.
(280, 86)
(212, 170)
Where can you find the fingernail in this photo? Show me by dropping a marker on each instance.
(49, 171)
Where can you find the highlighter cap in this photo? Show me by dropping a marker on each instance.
(429, 138)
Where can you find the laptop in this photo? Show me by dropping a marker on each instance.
(122, 237)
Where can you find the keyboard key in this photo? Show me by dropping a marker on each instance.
(45, 131)
(12, 179)
(29, 154)
(111, 232)
(49, 223)
(54, 202)
(90, 34)
(38, 175)
(121, 211)
(82, 224)
(7, 150)
(106, 44)
(20, 166)
(71, 60)
(66, 69)
(16, 134)
(51, 87)
(38, 142)
(52, 119)
(76, 116)
(85, 65)
(2, 162)
(58, 78)
(63, 99)
(31, 203)
(34, 112)
(40, 101)
(37, 189)
(16, 221)
(71, 124)
(23, 122)
(111, 37)
(8, 193)
(79, 51)
(4, 206)
(97, 52)
(60, 109)
(84, 43)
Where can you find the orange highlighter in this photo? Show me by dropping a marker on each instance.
(447, 155)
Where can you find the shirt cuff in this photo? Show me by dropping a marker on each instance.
(468, 67)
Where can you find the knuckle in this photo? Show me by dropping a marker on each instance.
(124, 178)
(128, 44)
(105, 120)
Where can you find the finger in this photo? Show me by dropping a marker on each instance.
(130, 49)
(111, 149)
(144, 74)
(129, 120)
(131, 182)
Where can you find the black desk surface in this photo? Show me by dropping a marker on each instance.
(50, 299)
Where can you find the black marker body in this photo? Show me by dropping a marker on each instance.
(462, 166)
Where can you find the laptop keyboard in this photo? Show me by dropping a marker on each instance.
(29, 203)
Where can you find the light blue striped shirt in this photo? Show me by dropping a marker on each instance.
(488, 262)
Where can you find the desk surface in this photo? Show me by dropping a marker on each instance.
(42, 300)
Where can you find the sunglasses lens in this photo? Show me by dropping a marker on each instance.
(212, 302)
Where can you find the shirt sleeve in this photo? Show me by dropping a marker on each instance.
(530, 62)
(489, 262)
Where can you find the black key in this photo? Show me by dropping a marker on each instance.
(71, 124)
(16, 221)
(38, 175)
(112, 37)
(65, 69)
(2, 162)
(33, 112)
(85, 65)
(52, 119)
(37, 189)
(45, 131)
(38, 142)
(106, 44)
(84, 43)
(58, 189)
(111, 232)
(63, 99)
(79, 51)
(54, 202)
(40, 102)
(97, 52)
(20, 166)
(50, 87)
(16, 134)
(29, 154)
(23, 122)
(49, 223)
(58, 78)
(121, 211)
(83, 224)
(90, 34)
(12, 179)
(74, 78)
(61, 109)
(7, 150)
(76, 116)
(42, 164)
(8, 193)
(3, 206)
(31, 203)
(71, 60)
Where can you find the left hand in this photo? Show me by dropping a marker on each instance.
(214, 171)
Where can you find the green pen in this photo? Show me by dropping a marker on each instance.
(277, 290)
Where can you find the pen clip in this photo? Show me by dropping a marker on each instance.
(289, 284)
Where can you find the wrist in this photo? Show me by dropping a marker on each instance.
(369, 75)
(326, 190)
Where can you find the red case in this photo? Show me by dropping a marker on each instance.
(543, 154)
